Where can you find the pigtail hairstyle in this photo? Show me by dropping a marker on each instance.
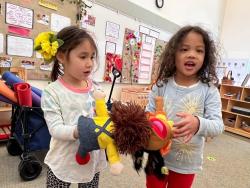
(167, 68)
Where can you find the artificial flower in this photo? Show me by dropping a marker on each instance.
(47, 44)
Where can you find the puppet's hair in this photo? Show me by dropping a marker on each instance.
(131, 127)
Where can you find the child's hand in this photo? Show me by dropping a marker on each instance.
(76, 133)
(186, 127)
(98, 94)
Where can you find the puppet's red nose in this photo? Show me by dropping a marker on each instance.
(159, 128)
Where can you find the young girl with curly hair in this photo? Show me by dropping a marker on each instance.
(186, 81)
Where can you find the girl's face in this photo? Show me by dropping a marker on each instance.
(80, 62)
(189, 56)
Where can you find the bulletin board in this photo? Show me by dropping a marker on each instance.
(109, 32)
(22, 21)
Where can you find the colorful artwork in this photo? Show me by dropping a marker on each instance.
(42, 19)
(131, 56)
(112, 60)
(159, 48)
(90, 20)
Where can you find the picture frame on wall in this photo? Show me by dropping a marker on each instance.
(19, 16)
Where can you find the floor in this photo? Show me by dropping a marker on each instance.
(226, 165)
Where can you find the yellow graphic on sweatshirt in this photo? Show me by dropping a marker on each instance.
(190, 104)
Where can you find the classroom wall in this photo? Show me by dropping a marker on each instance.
(37, 27)
(235, 35)
(208, 13)
(175, 12)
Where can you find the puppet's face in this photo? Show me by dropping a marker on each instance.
(161, 131)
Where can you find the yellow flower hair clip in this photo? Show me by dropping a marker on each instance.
(46, 43)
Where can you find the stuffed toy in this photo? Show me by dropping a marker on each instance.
(96, 133)
(136, 132)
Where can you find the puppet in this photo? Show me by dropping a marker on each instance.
(96, 133)
(136, 132)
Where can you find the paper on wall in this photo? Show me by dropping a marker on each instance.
(1, 43)
(110, 47)
(146, 54)
(145, 61)
(146, 46)
(144, 68)
(112, 29)
(17, 15)
(19, 46)
(144, 75)
(58, 22)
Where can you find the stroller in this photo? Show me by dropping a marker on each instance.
(28, 133)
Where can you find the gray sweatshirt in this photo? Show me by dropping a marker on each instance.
(200, 100)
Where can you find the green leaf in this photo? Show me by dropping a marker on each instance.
(37, 48)
(52, 38)
(60, 42)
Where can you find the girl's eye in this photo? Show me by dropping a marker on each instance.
(200, 51)
(83, 57)
(184, 49)
(93, 57)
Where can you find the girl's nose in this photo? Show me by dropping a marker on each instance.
(191, 54)
(90, 62)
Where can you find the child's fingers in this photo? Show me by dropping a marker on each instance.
(181, 114)
(181, 131)
(183, 134)
(188, 138)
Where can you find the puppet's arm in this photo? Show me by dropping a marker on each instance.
(104, 139)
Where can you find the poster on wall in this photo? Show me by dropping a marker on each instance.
(131, 56)
(112, 61)
(146, 61)
(58, 22)
(1, 43)
(19, 46)
(19, 16)
(158, 50)
(110, 47)
(112, 30)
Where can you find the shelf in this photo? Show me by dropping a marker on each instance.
(229, 102)
(5, 109)
(228, 85)
(237, 131)
(233, 113)
(240, 101)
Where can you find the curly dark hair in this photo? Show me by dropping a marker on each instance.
(167, 67)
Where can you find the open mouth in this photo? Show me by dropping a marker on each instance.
(158, 127)
(189, 64)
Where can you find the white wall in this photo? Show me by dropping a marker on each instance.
(235, 35)
(208, 13)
